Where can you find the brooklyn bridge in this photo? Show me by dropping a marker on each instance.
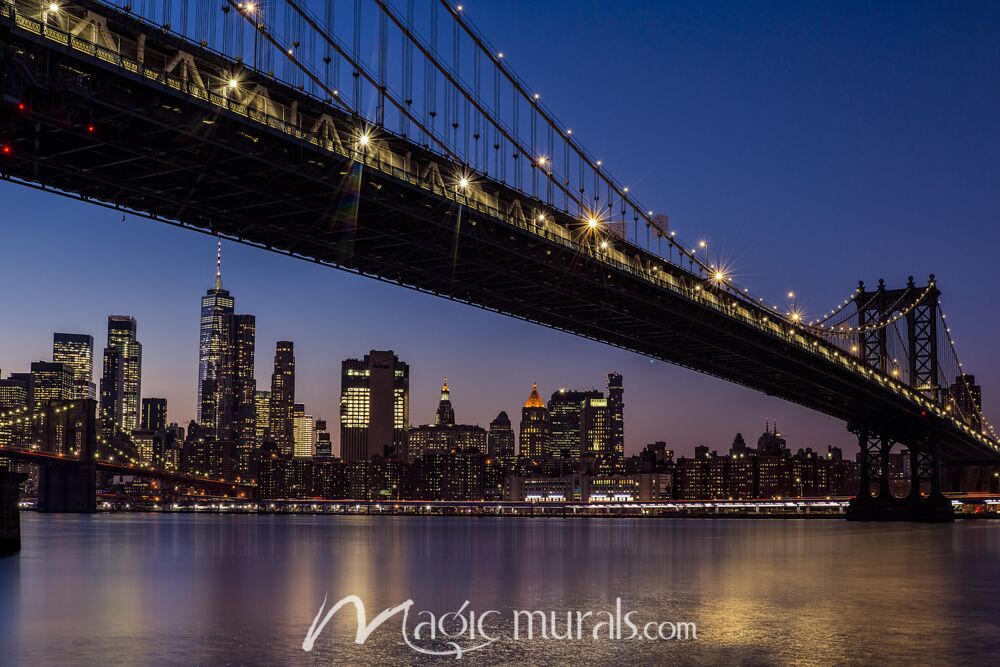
(428, 163)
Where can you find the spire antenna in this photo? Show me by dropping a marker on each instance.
(218, 267)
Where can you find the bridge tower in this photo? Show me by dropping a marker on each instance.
(68, 429)
(877, 310)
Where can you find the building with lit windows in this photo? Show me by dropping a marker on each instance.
(616, 414)
(154, 414)
(444, 435)
(374, 407)
(535, 429)
(217, 307)
(565, 407)
(595, 428)
(77, 352)
(112, 392)
(304, 432)
(965, 398)
(281, 413)
(128, 362)
(262, 415)
(51, 381)
(15, 417)
(500, 439)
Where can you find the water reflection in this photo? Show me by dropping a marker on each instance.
(184, 589)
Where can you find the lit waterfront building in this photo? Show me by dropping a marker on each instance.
(122, 339)
(304, 432)
(374, 407)
(77, 352)
(281, 414)
(535, 427)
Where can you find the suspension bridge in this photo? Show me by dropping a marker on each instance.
(392, 140)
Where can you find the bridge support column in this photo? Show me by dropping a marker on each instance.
(10, 516)
(67, 487)
(925, 460)
(925, 469)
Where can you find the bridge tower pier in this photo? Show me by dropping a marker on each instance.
(68, 429)
(875, 501)
(10, 517)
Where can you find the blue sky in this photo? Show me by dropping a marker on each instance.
(813, 145)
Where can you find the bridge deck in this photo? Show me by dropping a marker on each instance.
(110, 129)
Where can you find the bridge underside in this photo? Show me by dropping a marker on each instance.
(90, 131)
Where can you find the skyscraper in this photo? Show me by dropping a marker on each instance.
(595, 428)
(213, 347)
(500, 439)
(374, 407)
(227, 407)
(242, 397)
(565, 407)
(154, 414)
(281, 412)
(262, 400)
(51, 381)
(965, 398)
(122, 338)
(445, 413)
(616, 414)
(77, 352)
(535, 427)
(304, 432)
(112, 392)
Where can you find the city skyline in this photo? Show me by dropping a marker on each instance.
(844, 165)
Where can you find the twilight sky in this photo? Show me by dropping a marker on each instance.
(813, 145)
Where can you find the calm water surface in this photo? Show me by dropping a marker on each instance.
(169, 589)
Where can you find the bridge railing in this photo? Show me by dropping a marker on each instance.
(619, 254)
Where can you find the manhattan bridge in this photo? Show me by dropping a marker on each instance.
(390, 139)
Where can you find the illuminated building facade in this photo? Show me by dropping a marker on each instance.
(616, 414)
(154, 414)
(535, 427)
(304, 432)
(444, 435)
(51, 381)
(374, 407)
(565, 408)
(77, 352)
(281, 414)
(15, 422)
(262, 429)
(217, 307)
(122, 339)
